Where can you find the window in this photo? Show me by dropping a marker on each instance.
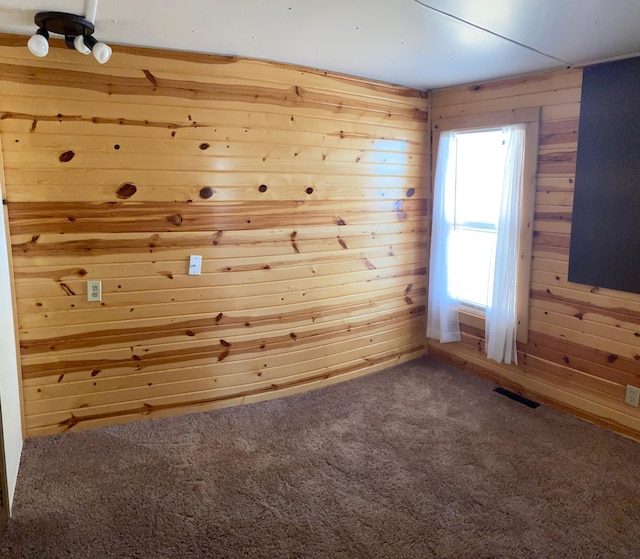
(482, 227)
(479, 161)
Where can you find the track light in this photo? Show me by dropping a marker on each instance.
(101, 51)
(77, 32)
(38, 44)
(79, 45)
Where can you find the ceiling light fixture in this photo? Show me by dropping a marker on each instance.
(39, 43)
(77, 32)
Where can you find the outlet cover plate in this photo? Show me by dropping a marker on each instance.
(633, 396)
(94, 291)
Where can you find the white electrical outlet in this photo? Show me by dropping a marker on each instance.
(633, 396)
(195, 265)
(94, 291)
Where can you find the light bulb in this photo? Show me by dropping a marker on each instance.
(38, 44)
(101, 52)
(78, 42)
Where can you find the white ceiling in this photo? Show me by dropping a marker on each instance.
(409, 42)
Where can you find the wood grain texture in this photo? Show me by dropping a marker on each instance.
(305, 192)
(584, 341)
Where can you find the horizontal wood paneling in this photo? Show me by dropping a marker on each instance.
(306, 194)
(584, 341)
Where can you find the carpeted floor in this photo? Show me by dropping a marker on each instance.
(417, 461)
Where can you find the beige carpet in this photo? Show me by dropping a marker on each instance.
(418, 461)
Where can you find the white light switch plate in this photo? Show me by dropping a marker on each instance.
(94, 291)
(195, 265)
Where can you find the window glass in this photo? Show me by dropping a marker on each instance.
(480, 160)
(471, 258)
(476, 191)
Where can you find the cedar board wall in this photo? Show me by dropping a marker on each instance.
(584, 342)
(119, 172)
(298, 290)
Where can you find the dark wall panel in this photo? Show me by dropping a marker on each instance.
(605, 236)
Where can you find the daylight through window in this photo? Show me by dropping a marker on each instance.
(474, 194)
(480, 258)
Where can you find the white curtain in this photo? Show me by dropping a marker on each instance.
(442, 318)
(501, 317)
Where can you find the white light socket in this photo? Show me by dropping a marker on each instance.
(94, 291)
(195, 265)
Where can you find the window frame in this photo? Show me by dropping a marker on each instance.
(530, 117)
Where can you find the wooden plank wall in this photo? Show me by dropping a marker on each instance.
(306, 194)
(584, 342)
